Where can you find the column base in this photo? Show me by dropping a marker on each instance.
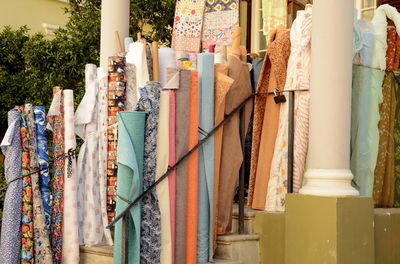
(328, 183)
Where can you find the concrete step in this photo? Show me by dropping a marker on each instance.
(96, 255)
(244, 248)
(249, 215)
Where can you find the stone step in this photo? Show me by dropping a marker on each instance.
(249, 215)
(244, 248)
(96, 255)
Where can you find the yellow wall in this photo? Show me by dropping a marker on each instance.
(32, 13)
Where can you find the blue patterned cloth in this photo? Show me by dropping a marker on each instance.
(42, 151)
(150, 246)
(10, 241)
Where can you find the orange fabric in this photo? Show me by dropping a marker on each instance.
(266, 117)
(391, 52)
(191, 209)
(222, 85)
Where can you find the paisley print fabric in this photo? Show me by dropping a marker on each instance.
(41, 233)
(116, 103)
(42, 151)
(10, 240)
(150, 246)
(55, 120)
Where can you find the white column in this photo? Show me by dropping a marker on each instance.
(114, 17)
(328, 166)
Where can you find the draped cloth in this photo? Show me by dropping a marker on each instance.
(298, 78)
(27, 231)
(172, 176)
(188, 23)
(220, 18)
(384, 180)
(192, 173)
(393, 50)
(206, 158)
(266, 116)
(42, 152)
(222, 84)
(162, 167)
(102, 122)
(395, 84)
(366, 97)
(116, 101)
(274, 15)
(182, 146)
(150, 245)
(130, 176)
(70, 253)
(41, 233)
(89, 198)
(55, 118)
(232, 153)
(10, 240)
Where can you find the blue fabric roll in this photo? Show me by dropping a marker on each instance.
(130, 149)
(205, 66)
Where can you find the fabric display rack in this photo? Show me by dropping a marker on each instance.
(169, 134)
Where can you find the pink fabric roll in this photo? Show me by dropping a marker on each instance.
(171, 177)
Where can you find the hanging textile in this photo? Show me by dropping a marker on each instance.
(384, 180)
(181, 137)
(274, 15)
(172, 176)
(102, 125)
(10, 240)
(55, 119)
(366, 97)
(130, 175)
(192, 173)
(43, 159)
(167, 60)
(131, 88)
(41, 233)
(70, 253)
(137, 56)
(298, 78)
(395, 84)
(222, 84)
(150, 245)
(392, 52)
(91, 230)
(232, 153)
(220, 18)
(116, 100)
(205, 66)
(256, 70)
(188, 23)
(266, 116)
(27, 231)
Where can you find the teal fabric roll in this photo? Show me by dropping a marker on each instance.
(205, 217)
(131, 127)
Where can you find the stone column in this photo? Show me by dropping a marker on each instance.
(114, 17)
(328, 166)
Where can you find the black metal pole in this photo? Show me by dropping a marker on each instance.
(125, 241)
(290, 142)
(241, 174)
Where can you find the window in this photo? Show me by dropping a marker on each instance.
(365, 8)
(258, 40)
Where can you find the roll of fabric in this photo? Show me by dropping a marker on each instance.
(266, 116)
(70, 253)
(130, 176)
(172, 176)
(274, 15)
(131, 89)
(55, 119)
(167, 60)
(42, 151)
(116, 101)
(222, 84)
(127, 42)
(137, 56)
(91, 230)
(188, 23)
(162, 167)
(41, 233)
(102, 97)
(182, 146)
(232, 153)
(205, 221)
(192, 174)
(220, 18)
(27, 231)
(150, 245)
(10, 240)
